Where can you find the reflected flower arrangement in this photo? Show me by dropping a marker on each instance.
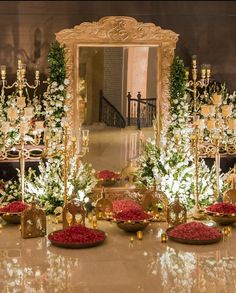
(54, 274)
(189, 272)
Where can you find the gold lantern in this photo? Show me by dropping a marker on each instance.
(176, 213)
(33, 222)
(156, 202)
(103, 207)
(73, 213)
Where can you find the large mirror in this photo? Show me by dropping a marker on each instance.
(119, 81)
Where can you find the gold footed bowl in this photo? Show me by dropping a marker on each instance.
(132, 226)
(222, 219)
(11, 218)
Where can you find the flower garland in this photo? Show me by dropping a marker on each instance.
(172, 166)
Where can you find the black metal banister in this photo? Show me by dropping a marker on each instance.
(109, 114)
(148, 113)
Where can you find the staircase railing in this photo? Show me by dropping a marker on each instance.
(142, 116)
(109, 114)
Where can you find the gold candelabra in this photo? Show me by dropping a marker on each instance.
(21, 81)
(221, 132)
(29, 133)
(194, 84)
(71, 146)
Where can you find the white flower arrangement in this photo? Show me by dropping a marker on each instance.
(171, 167)
(48, 186)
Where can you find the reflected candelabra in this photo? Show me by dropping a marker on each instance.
(19, 119)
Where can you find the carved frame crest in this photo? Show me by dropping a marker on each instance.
(118, 30)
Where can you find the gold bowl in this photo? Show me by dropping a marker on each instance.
(222, 219)
(11, 218)
(132, 226)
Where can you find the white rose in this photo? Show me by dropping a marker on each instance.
(61, 87)
(66, 81)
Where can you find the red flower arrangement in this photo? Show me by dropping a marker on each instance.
(120, 205)
(132, 215)
(225, 208)
(14, 207)
(194, 231)
(107, 175)
(77, 234)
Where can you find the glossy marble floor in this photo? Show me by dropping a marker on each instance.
(112, 148)
(117, 266)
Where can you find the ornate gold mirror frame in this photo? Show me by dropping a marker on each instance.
(113, 31)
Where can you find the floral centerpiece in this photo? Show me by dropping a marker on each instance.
(49, 185)
(107, 177)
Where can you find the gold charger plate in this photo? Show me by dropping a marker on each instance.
(222, 219)
(76, 245)
(193, 242)
(11, 218)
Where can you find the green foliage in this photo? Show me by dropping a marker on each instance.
(177, 79)
(57, 63)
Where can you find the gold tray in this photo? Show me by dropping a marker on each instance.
(132, 226)
(76, 245)
(222, 219)
(193, 242)
(11, 218)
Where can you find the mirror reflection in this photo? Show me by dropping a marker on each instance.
(117, 91)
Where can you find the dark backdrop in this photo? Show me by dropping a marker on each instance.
(206, 28)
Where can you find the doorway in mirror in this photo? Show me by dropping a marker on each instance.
(117, 85)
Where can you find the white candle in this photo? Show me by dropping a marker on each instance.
(201, 124)
(5, 126)
(29, 112)
(217, 99)
(21, 102)
(212, 110)
(226, 110)
(24, 127)
(39, 126)
(12, 113)
(205, 111)
(232, 124)
(211, 124)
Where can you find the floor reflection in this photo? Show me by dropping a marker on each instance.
(112, 148)
(35, 266)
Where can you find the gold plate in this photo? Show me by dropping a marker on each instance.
(11, 218)
(76, 245)
(193, 241)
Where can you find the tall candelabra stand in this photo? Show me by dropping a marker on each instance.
(196, 139)
(19, 112)
(71, 146)
(194, 84)
(220, 134)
